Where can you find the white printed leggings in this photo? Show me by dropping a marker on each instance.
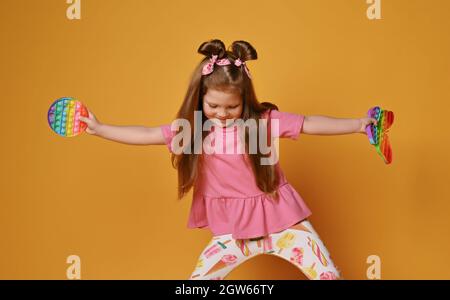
(300, 245)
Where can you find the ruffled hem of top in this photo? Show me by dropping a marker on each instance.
(249, 217)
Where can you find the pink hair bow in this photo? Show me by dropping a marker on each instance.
(239, 62)
(209, 67)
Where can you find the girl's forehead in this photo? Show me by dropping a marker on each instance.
(222, 96)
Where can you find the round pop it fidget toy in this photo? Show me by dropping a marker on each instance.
(378, 134)
(64, 117)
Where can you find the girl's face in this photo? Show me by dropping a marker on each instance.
(222, 105)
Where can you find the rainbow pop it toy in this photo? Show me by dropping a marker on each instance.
(63, 117)
(377, 134)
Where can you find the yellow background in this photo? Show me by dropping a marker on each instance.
(114, 205)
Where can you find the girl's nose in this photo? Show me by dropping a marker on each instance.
(222, 115)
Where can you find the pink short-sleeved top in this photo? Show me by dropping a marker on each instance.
(226, 198)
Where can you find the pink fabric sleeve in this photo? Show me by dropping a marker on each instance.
(168, 135)
(290, 124)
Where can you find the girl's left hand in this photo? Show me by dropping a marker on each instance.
(364, 122)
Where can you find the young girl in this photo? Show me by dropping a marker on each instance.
(249, 206)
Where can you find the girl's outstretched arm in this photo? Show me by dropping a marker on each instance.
(323, 125)
(133, 135)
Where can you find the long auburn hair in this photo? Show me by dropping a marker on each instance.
(224, 78)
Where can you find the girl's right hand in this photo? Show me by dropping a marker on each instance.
(92, 123)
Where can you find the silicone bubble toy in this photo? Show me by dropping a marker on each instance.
(63, 117)
(378, 134)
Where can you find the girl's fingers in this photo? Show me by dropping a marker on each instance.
(85, 120)
(91, 115)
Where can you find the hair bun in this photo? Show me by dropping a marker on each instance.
(212, 47)
(243, 50)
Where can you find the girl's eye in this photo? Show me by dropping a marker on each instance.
(213, 106)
